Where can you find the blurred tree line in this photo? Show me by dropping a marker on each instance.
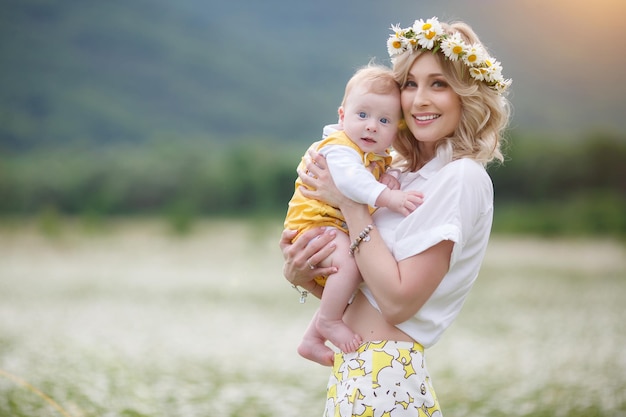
(546, 186)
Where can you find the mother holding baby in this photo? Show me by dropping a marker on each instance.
(417, 270)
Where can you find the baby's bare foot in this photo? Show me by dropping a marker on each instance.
(315, 350)
(339, 334)
(353, 345)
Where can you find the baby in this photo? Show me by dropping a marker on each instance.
(357, 152)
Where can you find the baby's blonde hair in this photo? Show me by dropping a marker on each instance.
(485, 113)
(377, 79)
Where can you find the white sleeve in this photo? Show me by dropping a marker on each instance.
(350, 175)
(455, 199)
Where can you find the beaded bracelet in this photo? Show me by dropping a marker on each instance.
(364, 236)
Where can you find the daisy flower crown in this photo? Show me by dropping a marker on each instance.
(430, 35)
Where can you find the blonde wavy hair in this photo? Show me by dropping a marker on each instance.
(484, 118)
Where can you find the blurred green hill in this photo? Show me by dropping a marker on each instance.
(129, 71)
(98, 72)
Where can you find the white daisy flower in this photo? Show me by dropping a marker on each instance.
(428, 32)
(396, 45)
(453, 46)
(502, 86)
(417, 25)
(397, 30)
(477, 73)
(494, 70)
(475, 55)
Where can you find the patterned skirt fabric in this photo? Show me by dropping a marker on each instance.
(381, 379)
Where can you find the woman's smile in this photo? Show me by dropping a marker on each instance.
(426, 118)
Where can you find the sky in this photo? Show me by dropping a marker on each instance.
(559, 52)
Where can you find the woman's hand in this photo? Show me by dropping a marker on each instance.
(303, 256)
(319, 183)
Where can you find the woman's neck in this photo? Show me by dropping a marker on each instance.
(427, 151)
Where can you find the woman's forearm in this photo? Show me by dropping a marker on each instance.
(376, 263)
(400, 288)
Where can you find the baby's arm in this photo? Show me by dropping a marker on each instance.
(351, 177)
(403, 202)
(357, 182)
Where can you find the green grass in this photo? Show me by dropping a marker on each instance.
(136, 320)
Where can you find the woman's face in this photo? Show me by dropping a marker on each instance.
(431, 108)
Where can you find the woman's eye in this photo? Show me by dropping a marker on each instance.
(410, 84)
(440, 83)
(362, 115)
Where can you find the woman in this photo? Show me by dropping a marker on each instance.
(417, 270)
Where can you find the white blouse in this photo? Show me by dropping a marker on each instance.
(458, 206)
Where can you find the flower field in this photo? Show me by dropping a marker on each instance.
(135, 321)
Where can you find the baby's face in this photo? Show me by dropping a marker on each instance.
(371, 120)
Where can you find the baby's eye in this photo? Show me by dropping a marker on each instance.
(362, 115)
(384, 120)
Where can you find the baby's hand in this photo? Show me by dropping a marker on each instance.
(404, 202)
(390, 181)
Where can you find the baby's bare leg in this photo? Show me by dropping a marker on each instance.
(313, 345)
(337, 292)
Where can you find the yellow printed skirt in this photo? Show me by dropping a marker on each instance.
(381, 379)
